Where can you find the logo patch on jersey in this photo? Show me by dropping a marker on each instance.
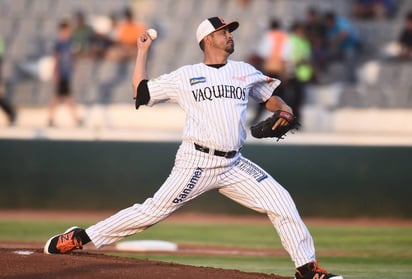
(240, 78)
(197, 80)
(251, 170)
(189, 186)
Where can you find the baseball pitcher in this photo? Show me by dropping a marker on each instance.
(214, 95)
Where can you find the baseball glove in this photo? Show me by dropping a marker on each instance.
(263, 129)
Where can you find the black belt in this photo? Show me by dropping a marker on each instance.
(225, 154)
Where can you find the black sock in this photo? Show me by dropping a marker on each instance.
(82, 235)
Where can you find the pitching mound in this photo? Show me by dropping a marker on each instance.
(32, 263)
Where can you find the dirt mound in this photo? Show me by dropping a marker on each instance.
(32, 263)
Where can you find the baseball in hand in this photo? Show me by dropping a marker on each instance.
(152, 33)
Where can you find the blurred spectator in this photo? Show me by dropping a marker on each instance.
(405, 38)
(63, 54)
(316, 33)
(126, 34)
(83, 35)
(4, 103)
(268, 59)
(128, 30)
(371, 9)
(364, 9)
(387, 8)
(243, 3)
(112, 32)
(104, 35)
(343, 43)
(297, 54)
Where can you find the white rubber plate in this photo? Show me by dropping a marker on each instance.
(146, 245)
(23, 252)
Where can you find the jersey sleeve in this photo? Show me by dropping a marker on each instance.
(163, 88)
(262, 86)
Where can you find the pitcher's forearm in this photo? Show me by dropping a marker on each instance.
(139, 72)
(276, 103)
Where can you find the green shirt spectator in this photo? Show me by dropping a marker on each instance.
(1, 47)
(298, 54)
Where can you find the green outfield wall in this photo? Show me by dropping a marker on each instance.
(335, 181)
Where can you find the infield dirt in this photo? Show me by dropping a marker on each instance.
(16, 264)
(26, 260)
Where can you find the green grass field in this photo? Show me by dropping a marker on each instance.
(362, 252)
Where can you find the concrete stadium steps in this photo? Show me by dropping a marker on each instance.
(385, 84)
(123, 122)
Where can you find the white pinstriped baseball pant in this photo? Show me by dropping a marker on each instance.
(195, 173)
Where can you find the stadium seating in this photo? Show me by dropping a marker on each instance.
(29, 28)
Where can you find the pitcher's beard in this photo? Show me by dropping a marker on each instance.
(230, 49)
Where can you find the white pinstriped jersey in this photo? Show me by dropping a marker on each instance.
(214, 100)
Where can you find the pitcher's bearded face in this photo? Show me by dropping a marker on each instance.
(223, 39)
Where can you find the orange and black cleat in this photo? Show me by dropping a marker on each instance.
(313, 271)
(65, 242)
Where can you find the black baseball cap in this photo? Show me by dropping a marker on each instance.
(213, 24)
